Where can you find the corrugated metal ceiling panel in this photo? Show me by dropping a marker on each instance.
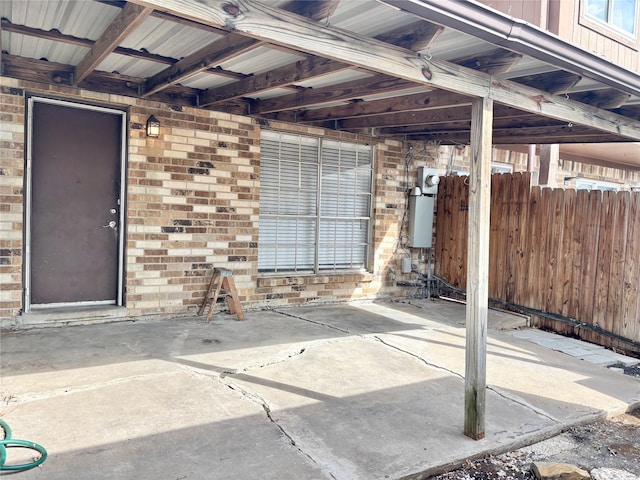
(206, 80)
(168, 38)
(78, 18)
(261, 59)
(41, 48)
(272, 93)
(368, 17)
(129, 66)
(334, 78)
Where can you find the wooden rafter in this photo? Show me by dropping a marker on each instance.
(459, 113)
(608, 98)
(217, 52)
(546, 134)
(333, 93)
(493, 62)
(420, 34)
(56, 36)
(417, 36)
(406, 103)
(43, 71)
(277, 26)
(125, 22)
(556, 82)
(310, 67)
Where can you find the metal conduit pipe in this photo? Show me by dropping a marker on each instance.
(519, 36)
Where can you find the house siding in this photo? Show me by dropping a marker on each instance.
(568, 20)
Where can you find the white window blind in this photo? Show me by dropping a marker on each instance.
(315, 204)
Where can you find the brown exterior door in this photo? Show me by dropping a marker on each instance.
(75, 205)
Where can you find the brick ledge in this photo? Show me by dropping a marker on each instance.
(284, 280)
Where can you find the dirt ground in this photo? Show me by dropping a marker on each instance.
(613, 443)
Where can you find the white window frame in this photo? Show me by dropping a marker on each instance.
(315, 213)
(590, 184)
(608, 20)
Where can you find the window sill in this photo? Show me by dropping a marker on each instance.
(606, 30)
(312, 279)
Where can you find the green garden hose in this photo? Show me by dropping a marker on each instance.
(8, 442)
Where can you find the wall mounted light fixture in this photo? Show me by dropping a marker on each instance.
(153, 127)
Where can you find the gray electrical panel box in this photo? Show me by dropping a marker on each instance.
(420, 221)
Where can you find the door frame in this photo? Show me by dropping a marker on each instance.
(28, 202)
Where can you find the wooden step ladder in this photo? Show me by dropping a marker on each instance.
(222, 285)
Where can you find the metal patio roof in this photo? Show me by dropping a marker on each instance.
(150, 49)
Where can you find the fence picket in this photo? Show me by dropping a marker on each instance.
(574, 254)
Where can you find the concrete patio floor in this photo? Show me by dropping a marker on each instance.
(360, 391)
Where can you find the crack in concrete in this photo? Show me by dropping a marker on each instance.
(489, 387)
(316, 322)
(258, 400)
(439, 367)
(277, 361)
(523, 403)
(27, 397)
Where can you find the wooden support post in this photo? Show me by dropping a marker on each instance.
(478, 268)
(549, 158)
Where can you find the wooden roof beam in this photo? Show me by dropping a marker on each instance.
(556, 82)
(214, 53)
(43, 71)
(388, 106)
(278, 26)
(433, 116)
(311, 67)
(125, 22)
(56, 36)
(608, 98)
(334, 93)
(543, 135)
(416, 36)
(493, 62)
(420, 34)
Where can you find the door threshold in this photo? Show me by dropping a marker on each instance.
(66, 316)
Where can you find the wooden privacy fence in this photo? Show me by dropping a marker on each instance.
(570, 258)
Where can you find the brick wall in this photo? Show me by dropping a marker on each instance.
(193, 198)
(193, 203)
(11, 198)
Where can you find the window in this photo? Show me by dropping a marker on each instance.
(497, 167)
(620, 14)
(315, 204)
(587, 184)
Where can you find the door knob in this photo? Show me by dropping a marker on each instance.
(111, 224)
